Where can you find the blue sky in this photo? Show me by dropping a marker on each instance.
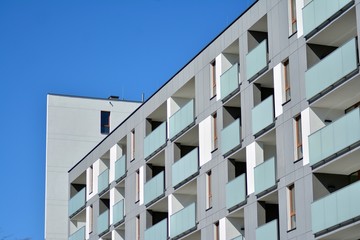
(86, 48)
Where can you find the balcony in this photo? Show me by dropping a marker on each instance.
(157, 231)
(155, 141)
(77, 202)
(118, 212)
(337, 209)
(335, 137)
(181, 120)
(263, 116)
(268, 231)
(120, 168)
(103, 181)
(236, 192)
(185, 168)
(154, 188)
(183, 221)
(103, 222)
(231, 137)
(265, 176)
(256, 61)
(317, 13)
(78, 235)
(229, 82)
(333, 68)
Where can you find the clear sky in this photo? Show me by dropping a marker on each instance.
(86, 48)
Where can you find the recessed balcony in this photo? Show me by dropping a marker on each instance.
(257, 61)
(103, 223)
(331, 71)
(318, 13)
(231, 137)
(265, 176)
(236, 192)
(183, 221)
(77, 202)
(103, 181)
(268, 231)
(157, 231)
(229, 82)
(78, 235)
(154, 188)
(155, 141)
(185, 168)
(339, 209)
(335, 138)
(120, 168)
(263, 116)
(118, 212)
(181, 120)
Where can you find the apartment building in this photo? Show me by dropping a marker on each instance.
(256, 138)
(75, 125)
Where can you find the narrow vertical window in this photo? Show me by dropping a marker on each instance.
(214, 132)
(137, 227)
(293, 20)
(216, 231)
(105, 122)
(213, 78)
(208, 190)
(132, 145)
(137, 183)
(298, 136)
(286, 77)
(91, 216)
(291, 207)
(91, 179)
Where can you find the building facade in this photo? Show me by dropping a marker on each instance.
(256, 138)
(75, 125)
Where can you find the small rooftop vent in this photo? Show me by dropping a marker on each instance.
(113, 98)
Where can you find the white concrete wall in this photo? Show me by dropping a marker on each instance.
(205, 141)
(278, 89)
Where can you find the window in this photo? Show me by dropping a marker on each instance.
(216, 231)
(208, 190)
(105, 122)
(213, 78)
(91, 179)
(137, 227)
(291, 207)
(132, 145)
(292, 20)
(298, 138)
(137, 183)
(91, 216)
(286, 77)
(214, 132)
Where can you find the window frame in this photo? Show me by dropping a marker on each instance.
(105, 122)
(293, 17)
(209, 194)
(298, 138)
(286, 81)
(213, 78)
(215, 139)
(132, 145)
(291, 207)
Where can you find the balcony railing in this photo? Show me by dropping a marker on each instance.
(185, 168)
(256, 60)
(231, 137)
(103, 181)
(268, 231)
(78, 235)
(120, 167)
(265, 175)
(236, 191)
(182, 119)
(77, 202)
(157, 231)
(334, 67)
(336, 208)
(238, 238)
(263, 115)
(229, 81)
(183, 221)
(103, 222)
(154, 188)
(118, 212)
(317, 12)
(335, 137)
(155, 140)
